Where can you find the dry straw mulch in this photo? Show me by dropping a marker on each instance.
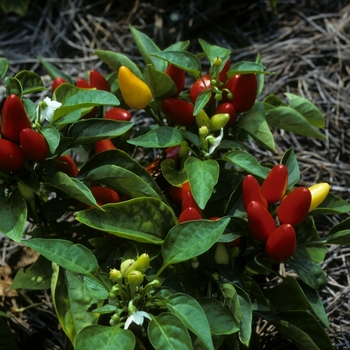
(306, 44)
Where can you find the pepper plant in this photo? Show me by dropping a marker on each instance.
(183, 252)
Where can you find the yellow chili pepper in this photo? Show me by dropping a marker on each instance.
(135, 92)
(218, 121)
(318, 194)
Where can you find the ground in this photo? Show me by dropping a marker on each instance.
(306, 44)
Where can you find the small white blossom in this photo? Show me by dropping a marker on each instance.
(216, 142)
(47, 108)
(137, 317)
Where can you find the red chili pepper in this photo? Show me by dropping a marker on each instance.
(104, 195)
(14, 118)
(294, 206)
(227, 107)
(118, 113)
(274, 186)
(178, 77)
(12, 157)
(244, 88)
(173, 153)
(188, 201)
(189, 214)
(179, 111)
(56, 83)
(251, 191)
(67, 165)
(260, 221)
(176, 193)
(281, 243)
(104, 145)
(98, 81)
(34, 145)
(200, 85)
(82, 83)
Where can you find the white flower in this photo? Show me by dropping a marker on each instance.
(216, 142)
(47, 108)
(136, 317)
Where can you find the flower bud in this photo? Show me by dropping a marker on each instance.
(135, 278)
(115, 274)
(143, 262)
(127, 266)
(221, 256)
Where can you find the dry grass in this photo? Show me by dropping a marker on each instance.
(307, 45)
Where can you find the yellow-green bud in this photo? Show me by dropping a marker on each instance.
(25, 191)
(217, 61)
(221, 256)
(135, 278)
(127, 266)
(143, 262)
(115, 274)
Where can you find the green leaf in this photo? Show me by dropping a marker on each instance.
(302, 329)
(220, 319)
(151, 219)
(160, 83)
(74, 257)
(311, 273)
(201, 101)
(239, 304)
(290, 161)
(4, 65)
(260, 77)
(37, 276)
(77, 302)
(13, 216)
(171, 173)
(297, 296)
(307, 109)
(54, 72)
(161, 137)
(291, 120)
(247, 67)
(105, 338)
(123, 160)
(146, 46)
(166, 331)
(254, 123)
(52, 137)
(121, 180)
(20, 7)
(247, 162)
(178, 46)
(203, 176)
(95, 288)
(340, 233)
(83, 99)
(73, 187)
(214, 51)
(271, 101)
(191, 238)
(181, 59)
(190, 312)
(115, 60)
(95, 129)
(332, 205)
(13, 86)
(30, 81)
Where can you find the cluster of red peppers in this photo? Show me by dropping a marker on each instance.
(273, 215)
(234, 95)
(19, 140)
